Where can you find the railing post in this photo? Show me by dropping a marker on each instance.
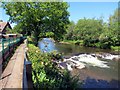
(29, 74)
(28, 68)
(16, 40)
(9, 44)
(3, 49)
(13, 43)
(1, 61)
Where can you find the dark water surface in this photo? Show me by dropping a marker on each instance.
(69, 49)
(94, 77)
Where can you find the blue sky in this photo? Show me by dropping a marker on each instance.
(79, 10)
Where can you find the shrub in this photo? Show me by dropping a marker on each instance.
(116, 48)
(46, 74)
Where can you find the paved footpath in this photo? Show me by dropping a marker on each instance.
(12, 77)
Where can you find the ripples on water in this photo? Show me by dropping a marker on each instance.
(103, 69)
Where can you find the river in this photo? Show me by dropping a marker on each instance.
(93, 76)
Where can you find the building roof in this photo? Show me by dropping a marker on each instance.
(3, 25)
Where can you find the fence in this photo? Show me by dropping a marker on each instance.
(18, 73)
(7, 46)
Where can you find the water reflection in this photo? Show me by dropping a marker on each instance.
(47, 45)
(93, 83)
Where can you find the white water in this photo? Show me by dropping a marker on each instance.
(88, 59)
(69, 67)
(94, 61)
(111, 57)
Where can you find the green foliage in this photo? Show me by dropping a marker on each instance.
(49, 34)
(9, 30)
(116, 48)
(37, 18)
(88, 28)
(76, 42)
(95, 33)
(69, 35)
(46, 74)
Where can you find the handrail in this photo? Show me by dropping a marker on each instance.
(18, 71)
(8, 45)
(15, 79)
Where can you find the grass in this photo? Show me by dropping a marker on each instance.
(115, 48)
(77, 42)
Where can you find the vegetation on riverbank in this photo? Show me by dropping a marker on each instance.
(46, 74)
(115, 48)
(81, 43)
(95, 32)
(76, 42)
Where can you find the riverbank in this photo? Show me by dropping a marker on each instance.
(115, 48)
(76, 42)
(81, 43)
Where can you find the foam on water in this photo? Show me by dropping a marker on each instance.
(88, 59)
(111, 57)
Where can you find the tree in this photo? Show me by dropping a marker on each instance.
(38, 18)
(70, 31)
(114, 29)
(88, 28)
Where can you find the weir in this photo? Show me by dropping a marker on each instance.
(85, 61)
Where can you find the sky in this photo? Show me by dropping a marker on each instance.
(79, 10)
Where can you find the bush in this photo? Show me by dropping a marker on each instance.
(77, 43)
(116, 48)
(46, 74)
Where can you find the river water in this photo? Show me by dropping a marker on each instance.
(93, 76)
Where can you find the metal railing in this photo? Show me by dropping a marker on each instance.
(26, 74)
(8, 45)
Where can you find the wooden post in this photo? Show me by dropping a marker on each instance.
(28, 68)
(29, 74)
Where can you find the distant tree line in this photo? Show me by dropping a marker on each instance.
(95, 32)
